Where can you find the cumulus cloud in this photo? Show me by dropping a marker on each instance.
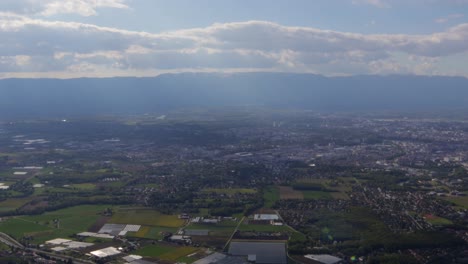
(38, 45)
(377, 3)
(391, 3)
(53, 7)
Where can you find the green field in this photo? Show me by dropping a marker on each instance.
(360, 229)
(230, 191)
(264, 228)
(145, 217)
(144, 230)
(13, 203)
(315, 195)
(458, 200)
(338, 188)
(84, 186)
(72, 220)
(153, 250)
(223, 229)
(152, 232)
(188, 260)
(178, 253)
(437, 221)
(149, 185)
(271, 195)
(165, 252)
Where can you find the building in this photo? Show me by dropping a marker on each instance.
(324, 259)
(260, 252)
(266, 217)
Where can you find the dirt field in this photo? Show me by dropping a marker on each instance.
(288, 193)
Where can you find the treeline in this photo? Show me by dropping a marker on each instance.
(187, 201)
(69, 202)
(392, 243)
(388, 180)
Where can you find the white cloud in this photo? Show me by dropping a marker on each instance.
(53, 7)
(377, 3)
(448, 18)
(37, 45)
(391, 3)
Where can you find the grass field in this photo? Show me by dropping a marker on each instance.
(143, 231)
(84, 186)
(154, 250)
(271, 194)
(458, 200)
(72, 220)
(264, 228)
(210, 241)
(231, 191)
(437, 221)
(145, 217)
(152, 232)
(178, 253)
(338, 188)
(188, 259)
(13, 203)
(288, 193)
(339, 195)
(315, 195)
(223, 229)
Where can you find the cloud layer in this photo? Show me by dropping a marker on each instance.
(53, 7)
(55, 48)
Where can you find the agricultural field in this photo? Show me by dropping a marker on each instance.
(264, 228)
(84, 186)
(218, 234)
(336, 189)
(210, 241)
(461, 201)
(145, 217)
(151, 232)
(13, 203)
(288, 193)
(178, 253)
(437, 221)
(42, 227)
(271, 194)
(154, 251)
(224, 228)
(148, 185)
(230, 191)
(315, 195)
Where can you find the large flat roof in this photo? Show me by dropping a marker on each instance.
(105, 252)
(324, 258)
(264, 252)
(266, 217)
(58, 241)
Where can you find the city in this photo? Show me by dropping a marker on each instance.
(356, 188)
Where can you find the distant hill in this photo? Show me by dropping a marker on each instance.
(82, 97)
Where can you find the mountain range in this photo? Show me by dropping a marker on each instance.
(29, 98)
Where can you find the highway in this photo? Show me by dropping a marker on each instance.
(6, 239)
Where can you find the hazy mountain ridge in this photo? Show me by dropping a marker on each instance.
(89, 96)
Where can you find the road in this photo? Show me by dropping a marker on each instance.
(235, 230)
(6, 239)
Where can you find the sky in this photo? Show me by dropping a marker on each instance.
(106, 38)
